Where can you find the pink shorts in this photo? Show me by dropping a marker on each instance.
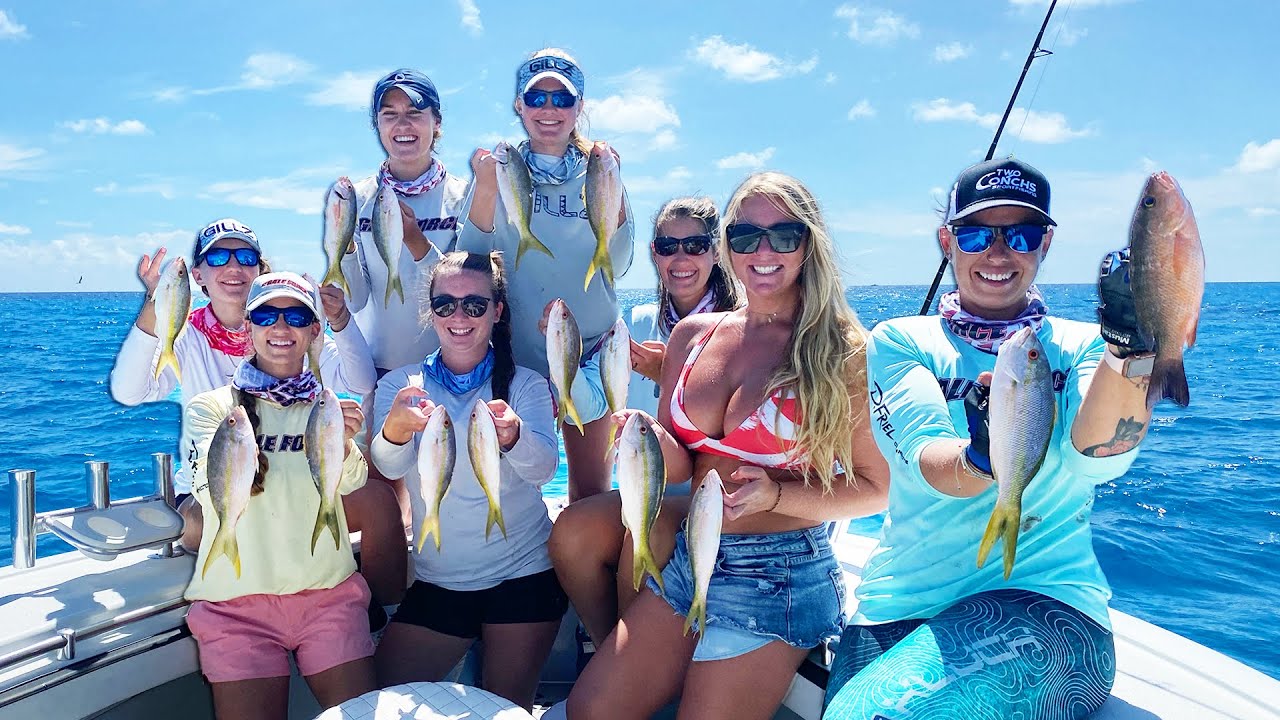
(250, 637)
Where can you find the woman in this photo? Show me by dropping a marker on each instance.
(286, 593)
(791, 437)
(468, 585)
(589, 546)
(925, 607)
(226, 259)
(549, 98)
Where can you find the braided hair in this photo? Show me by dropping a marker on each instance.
(492, 266)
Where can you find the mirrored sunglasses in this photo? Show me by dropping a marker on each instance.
(744, 238)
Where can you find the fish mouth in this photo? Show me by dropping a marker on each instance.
(764, 269)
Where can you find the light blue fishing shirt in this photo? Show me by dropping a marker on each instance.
(927, 558)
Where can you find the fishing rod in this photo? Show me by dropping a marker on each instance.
(1036, 52)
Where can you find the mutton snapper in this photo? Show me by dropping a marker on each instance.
(437, 454)
(172, 298)
(325, 444)
(486, 461)
(1022, 411)
(515, 187)
(602, 195)
(706, 517)
(1167, 273)
(230, 466)
(339, 230)
(564, 353)
(642, 479)
(615, 372)
(388, 236)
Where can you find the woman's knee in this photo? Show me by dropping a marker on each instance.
(372, 506)
(588, 529)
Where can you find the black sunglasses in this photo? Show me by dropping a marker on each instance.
(266, 316)
(217, 257)
(693, 245)
(473, 305)
(744, 238)
(559, 98)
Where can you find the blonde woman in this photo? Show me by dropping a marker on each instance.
(549, 97)
(789, 433)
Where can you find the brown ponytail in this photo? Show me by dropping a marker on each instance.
(250, 405)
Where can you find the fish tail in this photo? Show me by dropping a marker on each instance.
(335, 277)
(168, 359)
(430, 525)
(327, 517)
(393, 283)
(602, 263)
(697, 612)
(495, 517)
(568, 407)
(224, 543)
(1168, 380)
(1004, 522)
(608, 448)
(643, 562)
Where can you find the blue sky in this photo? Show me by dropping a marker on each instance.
(128, 125)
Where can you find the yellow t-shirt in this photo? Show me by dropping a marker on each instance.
(274, 533)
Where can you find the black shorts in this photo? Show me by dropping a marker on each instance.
(529, 599)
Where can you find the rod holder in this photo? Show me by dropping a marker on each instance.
(22, 517)
(68, 649)
(98, 480)
(163, 464)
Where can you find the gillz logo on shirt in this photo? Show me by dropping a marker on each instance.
(542, 204)
(1005, 178)
(424, 224)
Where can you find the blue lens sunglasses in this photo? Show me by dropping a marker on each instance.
(559, 98)
(217, 257)
(1021, 238)
(266, 316)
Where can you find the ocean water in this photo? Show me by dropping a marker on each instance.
(1189, 538)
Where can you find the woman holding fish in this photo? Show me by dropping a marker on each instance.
(473, 435)
(588, 543)
(790, 438)
(563, 217)
(170, 344)
(271, 454)
(941, 629)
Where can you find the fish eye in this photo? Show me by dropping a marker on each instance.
(1033, 354)
(1148, 201)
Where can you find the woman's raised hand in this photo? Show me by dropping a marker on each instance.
(409, 414)
(485, 167)
(646, 358)
(149, 270)
(506, 422)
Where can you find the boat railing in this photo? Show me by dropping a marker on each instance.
(102, 529)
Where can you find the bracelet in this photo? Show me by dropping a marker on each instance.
(973, 470)
(777, 499)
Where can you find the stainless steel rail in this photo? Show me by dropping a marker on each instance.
(64, 641)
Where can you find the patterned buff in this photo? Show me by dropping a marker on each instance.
(424, 183)
(235, 343)
(434, 368)
(986, 335)
(572, 165)
(705, 305)
(299, 388)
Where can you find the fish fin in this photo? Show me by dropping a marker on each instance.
(643, 562)
(168, 359)
(327, 517)
(430, 525)
(224, 543)
(393, 284)
(495, 517)
(568, 407)
(608, 448)
(1168, 380)
(600, 262)
(1004, 522)
(697, 612)
(529, 240)
(335, 277)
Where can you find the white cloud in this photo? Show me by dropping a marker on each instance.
(1260, 212)
(664, 140)
(470, 16)
(1068, 35)
(951, 52)
(102, 125)
(10, 29)
(349, 90)
(107, 262)
(872, 26)
(746, 160)
(830, 79)
(1257, 158)
(674, 181)
(161, 188)
(16, 159)
(1076, 4)
(14, 229)
(169, 94)
(268, 70)
(745, 63)
(1033, 126)
(301, 191)
(861, 109)
(79, 224)
(631, 113)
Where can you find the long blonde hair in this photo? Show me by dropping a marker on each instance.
(577, 136)
(825, 366)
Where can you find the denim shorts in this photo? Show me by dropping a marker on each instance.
(779, 586)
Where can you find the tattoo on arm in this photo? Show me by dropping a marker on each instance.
(1129, 433)
(1142, 382)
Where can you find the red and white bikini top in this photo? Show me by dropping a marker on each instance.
(767, 437)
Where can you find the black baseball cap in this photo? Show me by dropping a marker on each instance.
(996, 183)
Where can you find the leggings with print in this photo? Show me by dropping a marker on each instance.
(998, 654)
